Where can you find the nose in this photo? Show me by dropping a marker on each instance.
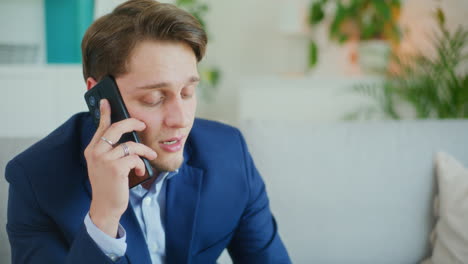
(177, 115)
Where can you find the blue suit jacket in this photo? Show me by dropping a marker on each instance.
(217, 200)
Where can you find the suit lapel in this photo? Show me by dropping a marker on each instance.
(183, 193)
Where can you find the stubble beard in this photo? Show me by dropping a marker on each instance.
(162, 166)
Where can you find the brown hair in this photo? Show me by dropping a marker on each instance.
(109, 41)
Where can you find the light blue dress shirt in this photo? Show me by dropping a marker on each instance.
(149, 208)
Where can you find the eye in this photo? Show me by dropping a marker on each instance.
(154, 101)
(187, 93)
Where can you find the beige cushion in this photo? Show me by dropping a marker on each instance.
(450, 236)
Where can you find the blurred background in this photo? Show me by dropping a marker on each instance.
(311, 60)
(287, 71)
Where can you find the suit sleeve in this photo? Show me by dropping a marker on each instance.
(256, 239)
(34, 237)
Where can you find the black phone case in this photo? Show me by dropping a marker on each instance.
(107, 89)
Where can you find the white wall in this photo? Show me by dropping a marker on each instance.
(36, 99)
(21, 22)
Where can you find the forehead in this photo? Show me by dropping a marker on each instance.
(159, 61)
(161, 55)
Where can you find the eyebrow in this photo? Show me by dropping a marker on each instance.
(159, 85)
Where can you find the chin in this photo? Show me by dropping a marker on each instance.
(167, 163)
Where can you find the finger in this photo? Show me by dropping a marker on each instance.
(105, 116)
(132, 162)
(115, 131)
(134, 149)
(104, 120)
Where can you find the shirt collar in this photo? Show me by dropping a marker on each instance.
(171, 174)
(165, 175)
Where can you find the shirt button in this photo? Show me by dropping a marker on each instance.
(113, 257)
(153, 247)
(147, 201)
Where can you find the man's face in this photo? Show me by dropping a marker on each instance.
(159, 89)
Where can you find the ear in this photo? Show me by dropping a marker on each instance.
(90, 82)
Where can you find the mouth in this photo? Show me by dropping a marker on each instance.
(172, 144)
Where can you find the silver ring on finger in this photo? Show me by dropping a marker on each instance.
(126, 149)
(108, 141)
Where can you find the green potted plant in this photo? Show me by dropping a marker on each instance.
(430, 85)
(360, 20)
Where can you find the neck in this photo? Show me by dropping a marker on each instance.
(147, 184)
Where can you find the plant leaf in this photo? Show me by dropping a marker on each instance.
(440, 15)
(316, 13)
(313, 54)
(383, 9)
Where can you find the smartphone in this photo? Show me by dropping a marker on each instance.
(107, 89)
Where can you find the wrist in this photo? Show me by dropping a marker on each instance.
(106, 222)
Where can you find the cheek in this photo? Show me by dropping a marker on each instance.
(192, 106)
(142, 115)
(152, 121)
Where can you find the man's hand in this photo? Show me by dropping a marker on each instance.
(108, 169)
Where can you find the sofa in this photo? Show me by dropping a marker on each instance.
(343, 192)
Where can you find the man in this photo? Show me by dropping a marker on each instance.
(69, 198)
